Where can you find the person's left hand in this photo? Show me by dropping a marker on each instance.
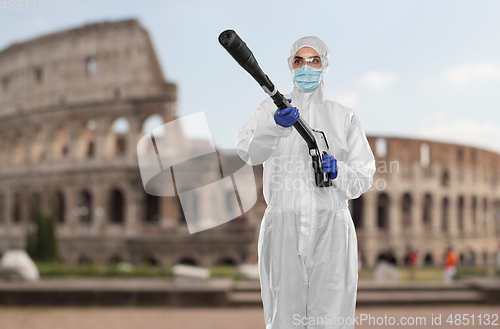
(330, 165)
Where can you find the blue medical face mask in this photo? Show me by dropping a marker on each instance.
(307, 78)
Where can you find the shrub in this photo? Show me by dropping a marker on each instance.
(41, 244)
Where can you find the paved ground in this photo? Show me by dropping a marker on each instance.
(247, 318)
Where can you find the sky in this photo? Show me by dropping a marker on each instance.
(415, 69)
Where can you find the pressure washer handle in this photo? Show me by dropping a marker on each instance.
(244, 56)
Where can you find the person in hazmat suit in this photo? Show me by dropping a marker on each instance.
(307, 247)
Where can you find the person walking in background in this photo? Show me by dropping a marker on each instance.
(450, 265)
(412, 258)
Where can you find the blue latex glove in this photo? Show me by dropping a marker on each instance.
(286, 117)
(330, 165)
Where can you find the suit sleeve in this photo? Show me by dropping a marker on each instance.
(260, 136)
(355, 175)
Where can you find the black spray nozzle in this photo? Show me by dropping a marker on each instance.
(226, 37)
(238, 49)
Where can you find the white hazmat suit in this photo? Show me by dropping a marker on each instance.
(307, 247)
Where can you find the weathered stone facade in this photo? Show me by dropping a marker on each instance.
(62, 97)
(430, 195)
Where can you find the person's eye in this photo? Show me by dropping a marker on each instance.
(315, 60)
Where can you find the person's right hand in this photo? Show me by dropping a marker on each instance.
(286, 117)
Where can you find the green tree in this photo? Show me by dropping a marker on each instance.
(31, 244)
(42, 244)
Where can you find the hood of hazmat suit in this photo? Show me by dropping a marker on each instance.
(307, 249)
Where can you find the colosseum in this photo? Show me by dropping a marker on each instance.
(73, 106)
(431, 196)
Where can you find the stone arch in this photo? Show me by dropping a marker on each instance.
(474, 214)
(383, 211)
(60, 142)
(38, 145)
(16, 207)
(18, 149)
(87, 140)
(115, 259)
(381, 147)
(427, 211)
(4, 150)
(187, 260)
(484, 217)
(84, 207)
(38, 72)
(381, 256)
(461, 210)
(445, 178)
(91, 65)
(428, 260)
(226, 261)
(151, 122)
(471, 256)
(445, 212)
(425, 155)
(406, 207)
(58, 206)
(151, 261)
(358, 211)
(85, 260)
(152, 208)
(116, 206)
(117, 136)
(460, 154)
(34, 205)
(496, 217)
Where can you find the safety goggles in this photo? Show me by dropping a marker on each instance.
(298, 61)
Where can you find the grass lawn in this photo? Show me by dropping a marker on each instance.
(51, 270)
(433, 274)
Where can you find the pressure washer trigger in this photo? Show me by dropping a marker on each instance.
(321, 131)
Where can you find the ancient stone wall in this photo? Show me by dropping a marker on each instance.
(430, 196)
(73, 106)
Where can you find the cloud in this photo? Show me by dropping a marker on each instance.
(377, 80)
(468, 74)
(348, 99)
(482, 134)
